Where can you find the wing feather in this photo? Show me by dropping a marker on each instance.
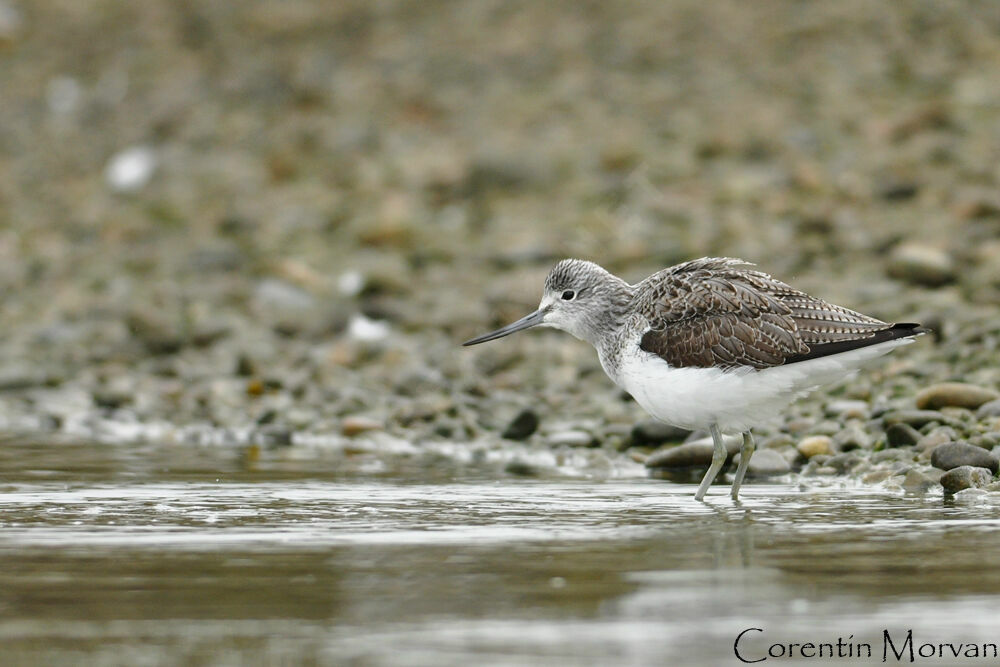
(721, 312)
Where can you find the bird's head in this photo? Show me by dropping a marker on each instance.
(579, 297)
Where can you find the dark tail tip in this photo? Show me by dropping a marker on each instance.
(904, 329)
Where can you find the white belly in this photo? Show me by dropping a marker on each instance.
(738, 399)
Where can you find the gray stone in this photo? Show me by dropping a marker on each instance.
(765, 463)
(937, 436)
(971, 496)
(779, 441)
(110, 399)
(825, 427)
(989, 409)
(918, 482)
(934, 473)
(892, 455)
(571, 438)
(522, 426)
(273, 293)
(847, 409)
(521, 468)
(902, 435)
(852, 437)
(653, 432)
(272, 436)
(844, 463)
(921, 265)
(352, 425)
(916, 418)
(690, 454)
(956, 454)
(955, 394)
(815, 445)
(876, 476)
(966, 477)
(158, 334)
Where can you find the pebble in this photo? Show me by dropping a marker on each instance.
(110, 399)
(852, 437)
(955, 394)
(844, 463)
(272, 436)
(350, 283)
(131, 169)
(521, 468)
(521, 426)
(966, 477)
(779, 441)
(989, 409)
(876, 476)
(972, 496)
(892, 455)
(826, 427)
(158, 334)
(814, 446)
(62, 94)
(902, 435)
(937, 436)
(353, 425)
(653, 432)
(915, 418)
(366, 330)
(847, 409)
(271, 293)
(765, 463)
(690, 454)
(919, 482)
(956, 454)
(920, 264)
(11, 21)
(19, 378)
(570, 438)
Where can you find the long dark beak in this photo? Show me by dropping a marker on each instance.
(525, 322)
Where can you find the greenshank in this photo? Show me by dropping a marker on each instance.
(711, 343)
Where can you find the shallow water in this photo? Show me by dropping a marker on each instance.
(166, 555)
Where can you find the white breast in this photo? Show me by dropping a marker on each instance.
(737, 399)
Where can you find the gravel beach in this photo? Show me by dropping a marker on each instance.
(269, 225)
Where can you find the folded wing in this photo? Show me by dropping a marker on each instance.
(720, 312)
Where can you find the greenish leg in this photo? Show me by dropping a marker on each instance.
(719, 455)
(746, 451)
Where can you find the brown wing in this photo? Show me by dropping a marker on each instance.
(720, 312)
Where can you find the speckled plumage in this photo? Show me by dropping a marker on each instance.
(711, 343)
(719, 312)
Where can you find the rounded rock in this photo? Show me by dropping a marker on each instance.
(351, 426)
(966, 477)
(920, 264)
(918, 482)
(652, 432)
(522, 426)
(814, 446)
(847, 409)
(690, 454)
(844, 463)
(902, 435)
(915, 418)
(852, 437)
(571, 438)
(989, 409)
(953, 455)
(766, 463)
(955, 394)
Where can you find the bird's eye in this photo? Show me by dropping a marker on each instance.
(568, 295)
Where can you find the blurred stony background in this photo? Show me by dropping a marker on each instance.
(273, 222)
